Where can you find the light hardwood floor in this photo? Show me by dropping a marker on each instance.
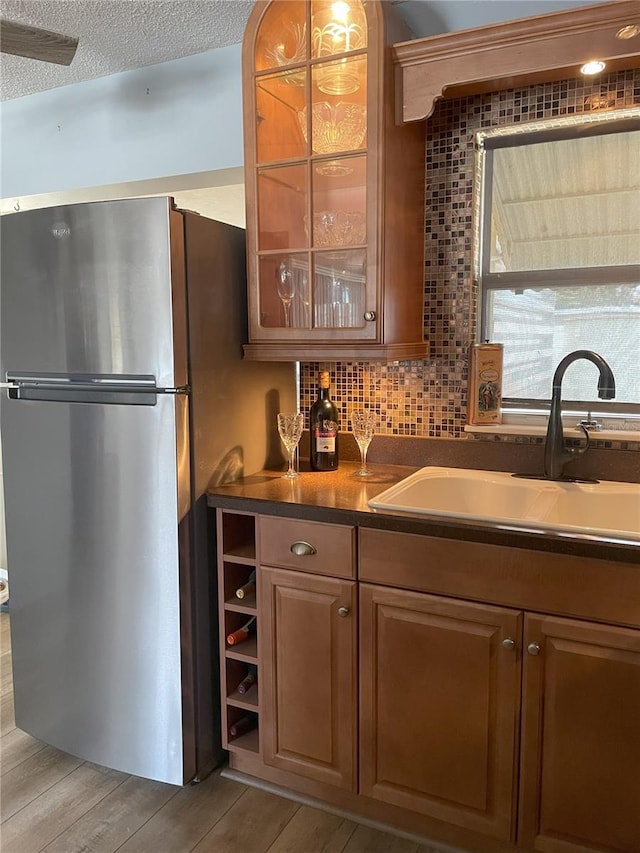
(55, 803)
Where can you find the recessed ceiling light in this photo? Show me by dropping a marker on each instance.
(593, 67)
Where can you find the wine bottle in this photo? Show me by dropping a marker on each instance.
(249, 680)
(241, 634)
(248, 587)
(243, 725)
(324, 424)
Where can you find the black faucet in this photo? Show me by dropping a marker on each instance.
(556, 455)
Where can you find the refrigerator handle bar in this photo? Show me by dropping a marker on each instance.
(124, 390)
(83, 389)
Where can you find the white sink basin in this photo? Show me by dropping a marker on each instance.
(604, 509)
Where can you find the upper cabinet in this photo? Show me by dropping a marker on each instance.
(335, 189)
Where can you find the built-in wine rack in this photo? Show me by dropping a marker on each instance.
(236, 562)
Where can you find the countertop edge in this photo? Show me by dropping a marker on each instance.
(331, 498)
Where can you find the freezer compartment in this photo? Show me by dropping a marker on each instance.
(87, 288)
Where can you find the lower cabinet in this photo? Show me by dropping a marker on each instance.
(439, 701)
(580, 769)
(309, 639)
(516, 728)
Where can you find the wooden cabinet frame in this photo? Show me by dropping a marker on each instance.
(523, 631)
(392, 320)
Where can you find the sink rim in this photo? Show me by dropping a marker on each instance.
(387, 501)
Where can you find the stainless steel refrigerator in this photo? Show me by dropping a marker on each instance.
(122, 326)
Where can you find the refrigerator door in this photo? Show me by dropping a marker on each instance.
(87, 289)
(95, 599)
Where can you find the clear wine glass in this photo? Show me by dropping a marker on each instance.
(290, 426)
(286, 288)
(363, 422)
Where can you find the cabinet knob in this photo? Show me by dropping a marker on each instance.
(369, 315)
(303, 549)
(533, 648)
(509, 644)
(344, 611)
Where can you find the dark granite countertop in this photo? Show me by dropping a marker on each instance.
(341, 498)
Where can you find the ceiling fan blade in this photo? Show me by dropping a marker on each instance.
(35, 43)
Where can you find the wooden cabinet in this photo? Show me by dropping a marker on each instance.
(579, 749)
(308, 634)
(334, 188)
(580, 777)
(417, 680)
(439, 699)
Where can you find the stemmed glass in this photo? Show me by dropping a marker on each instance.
(286, 287)
(363, 423)
(290, 426)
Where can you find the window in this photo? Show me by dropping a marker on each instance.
(559, 255)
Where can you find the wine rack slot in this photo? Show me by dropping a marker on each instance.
(238, 578)
(242, 684)
(238, 536)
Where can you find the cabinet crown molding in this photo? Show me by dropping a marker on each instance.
(511, 53)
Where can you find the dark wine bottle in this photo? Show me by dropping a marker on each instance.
(248, 587)
(324, 424)
(243, 725)
(241, 634)
(249, 680)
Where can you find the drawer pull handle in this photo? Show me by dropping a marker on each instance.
(344, 611)
(533, 648)
(303, 549)
(509, 644)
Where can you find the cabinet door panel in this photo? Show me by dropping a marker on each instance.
(309, 675)
(581, 738)
(439, 705)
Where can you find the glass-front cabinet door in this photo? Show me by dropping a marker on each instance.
(314, 154)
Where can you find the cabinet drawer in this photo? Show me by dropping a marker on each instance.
(331, 551)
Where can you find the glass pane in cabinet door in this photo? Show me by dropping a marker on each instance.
(339, 202)
(280, 116)
(339, 289)
(339, 123)
(285, 296)
(282, 208)
(337, 26)
(282, 36)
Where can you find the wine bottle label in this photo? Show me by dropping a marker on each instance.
(325, 436)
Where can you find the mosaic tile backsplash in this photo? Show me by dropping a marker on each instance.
(429, 398)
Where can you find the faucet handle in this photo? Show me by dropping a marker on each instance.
(590, 424)
(579, 451)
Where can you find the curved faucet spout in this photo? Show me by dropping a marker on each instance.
(556, 455)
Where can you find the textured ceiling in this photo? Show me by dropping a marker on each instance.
(118, 35)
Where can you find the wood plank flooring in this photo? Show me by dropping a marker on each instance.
(55, 803)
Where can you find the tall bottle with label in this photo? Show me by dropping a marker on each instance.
(324, 424)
